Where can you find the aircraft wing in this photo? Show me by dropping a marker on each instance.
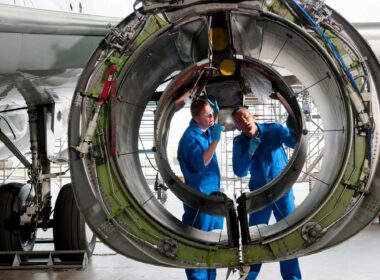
(42, 55)
(37, 40)
(371, 33)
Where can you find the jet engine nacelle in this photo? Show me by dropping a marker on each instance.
(305, 45)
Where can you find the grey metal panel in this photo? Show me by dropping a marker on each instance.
(55, 51)
(369, 30)
(26, 20)
(33, 39)
(10, 50)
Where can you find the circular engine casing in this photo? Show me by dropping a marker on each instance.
(121, 82)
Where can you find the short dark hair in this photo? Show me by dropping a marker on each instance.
(197, 106)
(238, 109)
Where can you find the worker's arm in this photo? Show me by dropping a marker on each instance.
(241, 161)
(287, 136)
(215, 132)
(209, 153)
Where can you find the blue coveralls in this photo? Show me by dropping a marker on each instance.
(267, 162)
(205, 179)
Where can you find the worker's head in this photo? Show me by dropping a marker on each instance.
(244, 121)
(202, 113)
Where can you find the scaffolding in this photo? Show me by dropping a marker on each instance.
(146, 144)
(14, 171)
(269, 110)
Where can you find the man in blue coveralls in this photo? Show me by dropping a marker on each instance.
(199, 165)
(259, 149)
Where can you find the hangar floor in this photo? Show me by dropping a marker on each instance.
(357, 258)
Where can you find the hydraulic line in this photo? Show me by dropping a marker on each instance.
(84, 146)
(318, 29)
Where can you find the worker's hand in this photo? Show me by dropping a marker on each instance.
(253, 145)
(213, 104)
(289, 123)
(216, 131)
(219, 194)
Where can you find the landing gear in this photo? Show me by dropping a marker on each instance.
(21, 213)
(69, 228)
(13, 235)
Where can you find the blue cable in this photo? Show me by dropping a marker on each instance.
(332, 47)
(369, 137)
(340, 60)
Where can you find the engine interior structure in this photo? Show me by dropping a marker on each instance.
(164, 50)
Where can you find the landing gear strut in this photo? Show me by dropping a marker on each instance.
(26, 207)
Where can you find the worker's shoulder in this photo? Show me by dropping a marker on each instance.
(191, 137)
(270, 129)
(241, 137)
(271, 125)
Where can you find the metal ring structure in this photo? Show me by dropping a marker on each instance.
(256, 200)
(161, 40)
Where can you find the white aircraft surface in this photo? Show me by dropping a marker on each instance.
(121, 76)
(43, 53)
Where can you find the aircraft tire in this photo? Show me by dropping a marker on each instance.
(69, 228)
(14, 237)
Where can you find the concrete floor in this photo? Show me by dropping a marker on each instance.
(357, 258)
